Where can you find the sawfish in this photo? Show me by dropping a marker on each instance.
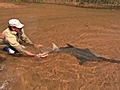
(83, 55)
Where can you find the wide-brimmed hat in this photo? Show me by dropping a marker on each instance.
(16, 23)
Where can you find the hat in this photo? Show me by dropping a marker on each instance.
(16, 23)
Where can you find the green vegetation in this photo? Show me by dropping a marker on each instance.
(78, 2)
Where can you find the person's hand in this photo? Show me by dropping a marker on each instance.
(38, 45)
(42, 55)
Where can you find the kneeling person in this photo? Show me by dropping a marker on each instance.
(12, 36)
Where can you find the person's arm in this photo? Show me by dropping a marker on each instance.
(36, 55)
(28, 41)
(25, 38)
(29, 53)
(13, 42)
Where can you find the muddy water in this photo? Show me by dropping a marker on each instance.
(96, 29)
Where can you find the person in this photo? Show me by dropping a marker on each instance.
(12, 37)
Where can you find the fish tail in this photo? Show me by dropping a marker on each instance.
(109, 60)
(112, 61)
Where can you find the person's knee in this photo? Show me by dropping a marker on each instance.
(10, 50)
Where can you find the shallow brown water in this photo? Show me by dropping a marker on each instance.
(96, 29)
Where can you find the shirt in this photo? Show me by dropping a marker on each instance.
(13, 38)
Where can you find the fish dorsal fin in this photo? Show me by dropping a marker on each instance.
(55, 47)
(69, 45)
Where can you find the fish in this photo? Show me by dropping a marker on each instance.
(83, 55)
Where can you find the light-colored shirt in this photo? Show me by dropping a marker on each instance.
(13, 38)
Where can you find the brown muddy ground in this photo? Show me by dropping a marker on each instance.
(96, 29)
